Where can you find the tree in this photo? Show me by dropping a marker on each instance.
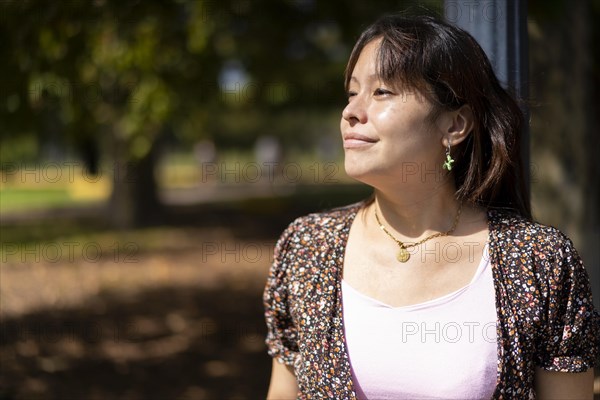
(118, 77)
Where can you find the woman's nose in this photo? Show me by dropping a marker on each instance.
(355, 112)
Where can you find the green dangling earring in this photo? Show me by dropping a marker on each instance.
(449, 160)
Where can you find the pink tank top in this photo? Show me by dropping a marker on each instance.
(444, 348)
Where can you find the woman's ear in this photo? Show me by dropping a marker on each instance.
(459, 123)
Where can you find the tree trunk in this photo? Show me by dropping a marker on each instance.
(134, 199)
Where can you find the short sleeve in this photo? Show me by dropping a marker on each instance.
(570, 340)
(282, 335)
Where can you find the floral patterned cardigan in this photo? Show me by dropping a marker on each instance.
(545, 315)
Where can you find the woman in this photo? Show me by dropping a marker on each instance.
(440, 285)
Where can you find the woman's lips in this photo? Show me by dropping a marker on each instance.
(355, 140)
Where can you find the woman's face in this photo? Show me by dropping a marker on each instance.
(387, 136)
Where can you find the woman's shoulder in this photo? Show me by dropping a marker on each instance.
(509, 226)
(531, 245)
(328, 220)
(318, 226)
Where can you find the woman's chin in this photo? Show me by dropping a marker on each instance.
(358, 172)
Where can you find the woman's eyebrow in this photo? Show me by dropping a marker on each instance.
(371, 77)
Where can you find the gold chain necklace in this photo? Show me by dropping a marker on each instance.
(403, 254)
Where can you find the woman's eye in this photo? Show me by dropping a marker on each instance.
(350, 95)
(381, 92)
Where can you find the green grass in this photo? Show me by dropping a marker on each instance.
(13, 199)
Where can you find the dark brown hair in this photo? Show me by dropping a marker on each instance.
(448, 66)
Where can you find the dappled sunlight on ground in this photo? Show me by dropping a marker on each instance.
(183, 322)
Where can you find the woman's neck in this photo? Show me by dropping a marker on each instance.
(417, 214)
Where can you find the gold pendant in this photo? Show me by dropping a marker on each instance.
(403, 255)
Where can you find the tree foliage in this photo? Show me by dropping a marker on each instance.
(107, 79)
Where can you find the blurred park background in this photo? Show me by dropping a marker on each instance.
(152, 151)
